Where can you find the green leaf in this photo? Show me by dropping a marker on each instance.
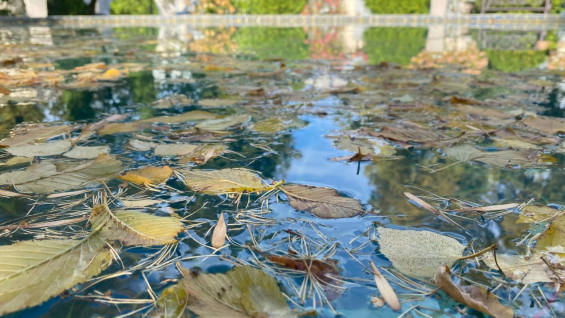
(418, 253)
(323, 202)
(172, 302)
(242, 292)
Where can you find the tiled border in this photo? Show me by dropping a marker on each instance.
(499, 21)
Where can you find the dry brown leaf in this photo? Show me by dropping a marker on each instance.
(549, 125)
(148, 175)
(491, 208)
(220, 232)
(473, 296)
(384, 288)
(323, 202)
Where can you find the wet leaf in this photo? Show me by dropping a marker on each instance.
(384, 288)
(116, 128)
(203, 153)
(223, 123)
(47, 177)
(418, 253)
(324, 271)
(175, 149)
(31, 272)
(323, 202)
(525, 270)
(548, 125)
(220, 232)
(484, 112)
(188, 116)
(172, 101)
(270, 125)
(42, 149)
(92, 152)
(409, 133)
(537, 213)
(148, 175)
(141, 145)
(213, 103)
(16, 161)
(140, 203)
(504, 158)
(172, 302)
(138, 228)
(553, 237)
(241, 292)
(223, 181)
(473, 296)
(111, 74)
(38, 133)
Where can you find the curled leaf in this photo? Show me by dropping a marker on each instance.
(384, 288)
(473, 296)
(220, 232)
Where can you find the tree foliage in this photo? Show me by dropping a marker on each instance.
(382, 44)
(288, 43)
(398, 6)
(513, 61)
(269, 6)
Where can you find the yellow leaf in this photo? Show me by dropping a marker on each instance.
(148, 175)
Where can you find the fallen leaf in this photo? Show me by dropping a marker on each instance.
(16, 161)
(92, 152)
(42, 149)
(553, 236)
(111, 74)
(171, 303)
(38, 133)
(222, 123)
(213, 103)
(504, 158)
(537, 213)
(323, 202)
(548, 125)
(4, 90)
(138, 228)
(271, 125)
(234, 180)
(525, 270)
(455, 100)
(384, 288)
(179, 149)
(418, 253)
(473, 296)
(491, 208)
(324, 271)
(172, 101)
(242, 292)
(48, 177)
(148, 175)
(141, 145)
(188, 116)
(140, 203)
(220, 232)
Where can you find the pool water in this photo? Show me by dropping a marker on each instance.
(312, 96)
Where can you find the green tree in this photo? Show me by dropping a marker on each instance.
(69, 7)
(269, 6)
(397, 45)
(133, 7)
(288, 43)
(398, 6)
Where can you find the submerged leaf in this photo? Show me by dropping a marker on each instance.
(323, 202)
(525, 270)
(554, 236)
(502, 158)
(549, 125)
(175, 149)
(172, 302)
(241, 292)
(188, 116)
(138, 228)
(418, 253)
(223, 181)
(537, 213)
(46, 177)
(476, 297)
(148, 175)
(42, 149)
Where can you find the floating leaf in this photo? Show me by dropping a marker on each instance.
(140, 203)
(171, 101)
(548, 125)
(188, 116)
(204, 153)
(212, 103)
(116, 128)
(220, 232)
(476, 297)
(141, 145)
(47, 177)
(223, 123)
(37, 133)
(33, 271)
(172, 302)
(175, 149)
(384, 288)
(138, 228)
(241, 292)
(537, 213)
(111, 74)
(505, 158)
(554, 236)
(418, 253)
(42, 149)
(92, 152)
(525, 270)
(222, 181)
(323, 202)
(271, 125)
(16, 161)
(148, 175)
